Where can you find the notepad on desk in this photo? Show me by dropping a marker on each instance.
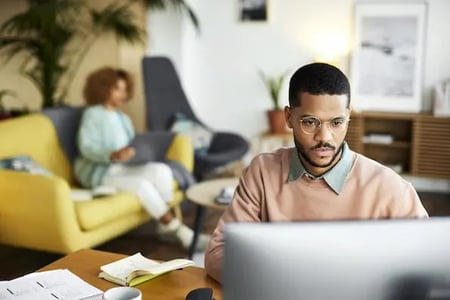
(135, 269)
(49, 285)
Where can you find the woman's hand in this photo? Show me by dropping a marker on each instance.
(123, 155)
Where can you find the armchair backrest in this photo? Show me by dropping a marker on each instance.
(163, 93)
(34, 135)
(66, 120)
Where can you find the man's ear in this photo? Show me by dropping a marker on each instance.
(288, 116)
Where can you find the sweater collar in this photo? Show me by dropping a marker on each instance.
(335, 177)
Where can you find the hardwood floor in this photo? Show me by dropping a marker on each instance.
(16, 262)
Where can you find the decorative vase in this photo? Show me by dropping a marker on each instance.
(277, 122)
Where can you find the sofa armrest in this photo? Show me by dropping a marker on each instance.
(182, 151)
(36, 211)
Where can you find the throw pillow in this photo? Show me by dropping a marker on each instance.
(200, 136)
(23, 163)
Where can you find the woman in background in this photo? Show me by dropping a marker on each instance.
(104, 137)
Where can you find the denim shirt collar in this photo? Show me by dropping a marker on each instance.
(335, 177)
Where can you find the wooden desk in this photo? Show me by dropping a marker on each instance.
(174, 285)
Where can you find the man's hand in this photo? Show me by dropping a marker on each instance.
(123, 155)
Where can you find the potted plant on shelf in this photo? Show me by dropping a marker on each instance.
(277, 122)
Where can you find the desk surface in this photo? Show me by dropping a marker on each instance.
(174, 285)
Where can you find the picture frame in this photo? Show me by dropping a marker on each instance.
(252, 10)
(387, 61)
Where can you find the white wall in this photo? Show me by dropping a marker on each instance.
(164, 34)
(437, 56)
(219, 67)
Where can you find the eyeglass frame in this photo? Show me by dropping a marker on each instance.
(346, 120)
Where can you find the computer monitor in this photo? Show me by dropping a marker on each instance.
(351, 260)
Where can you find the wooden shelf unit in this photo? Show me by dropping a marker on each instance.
(421, 141)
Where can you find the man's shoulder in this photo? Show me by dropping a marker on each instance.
(369, 169)
(275, 157)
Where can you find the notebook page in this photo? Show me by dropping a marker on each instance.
(55, 284)
(123, 267)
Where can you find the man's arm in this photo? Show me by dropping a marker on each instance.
(245, 207)
(408, 205)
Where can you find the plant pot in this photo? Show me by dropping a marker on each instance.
(277, 122)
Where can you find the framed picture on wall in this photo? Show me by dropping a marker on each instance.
(387, 60)
(252, 10)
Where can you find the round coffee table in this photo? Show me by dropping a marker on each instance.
(203, 194)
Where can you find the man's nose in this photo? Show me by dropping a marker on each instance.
(324, 134)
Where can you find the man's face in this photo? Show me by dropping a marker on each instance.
(319, 126)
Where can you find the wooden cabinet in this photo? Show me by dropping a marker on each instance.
(420, 143)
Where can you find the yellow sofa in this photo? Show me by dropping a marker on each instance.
(37, 212)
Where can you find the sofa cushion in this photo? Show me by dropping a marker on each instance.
(100, 211)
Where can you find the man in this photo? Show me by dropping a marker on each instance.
(321, 178)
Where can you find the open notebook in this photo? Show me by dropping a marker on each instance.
(135, 269)
(49, 285)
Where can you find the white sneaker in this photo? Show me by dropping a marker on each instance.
(202, 242)
(175, 231)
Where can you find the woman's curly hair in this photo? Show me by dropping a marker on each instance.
(99, 84)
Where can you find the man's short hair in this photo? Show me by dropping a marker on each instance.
(318, 79)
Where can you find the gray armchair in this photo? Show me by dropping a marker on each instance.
(165, 98)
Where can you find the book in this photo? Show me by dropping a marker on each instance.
(51, 285)
(86, 194)
(135, 269)
(378, 138)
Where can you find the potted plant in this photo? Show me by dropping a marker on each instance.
(277, 122)
(53, 39)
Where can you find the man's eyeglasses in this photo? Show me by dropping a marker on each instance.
(312, 125)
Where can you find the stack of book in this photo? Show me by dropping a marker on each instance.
(378, 138)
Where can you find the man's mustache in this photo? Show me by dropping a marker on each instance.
(323, 145)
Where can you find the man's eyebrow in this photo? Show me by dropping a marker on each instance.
(333, 117)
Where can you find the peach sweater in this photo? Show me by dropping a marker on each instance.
(264, 194)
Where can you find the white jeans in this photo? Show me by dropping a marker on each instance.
(152, 183)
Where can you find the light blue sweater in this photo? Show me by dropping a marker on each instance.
(97, 139)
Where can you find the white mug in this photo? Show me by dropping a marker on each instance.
(123, 293)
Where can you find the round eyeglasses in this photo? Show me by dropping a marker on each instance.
(312, 125)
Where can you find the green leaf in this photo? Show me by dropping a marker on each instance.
(119, 20)
(53, 36)
(273, 86)
(180, 4)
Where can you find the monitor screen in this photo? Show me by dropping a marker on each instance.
(379, 260)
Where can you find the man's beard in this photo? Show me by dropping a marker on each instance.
(301, 151)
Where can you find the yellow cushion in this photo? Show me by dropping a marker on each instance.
(100, 211)
(103, 210)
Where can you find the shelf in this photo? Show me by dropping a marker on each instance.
(421, 142)
(396, 144)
